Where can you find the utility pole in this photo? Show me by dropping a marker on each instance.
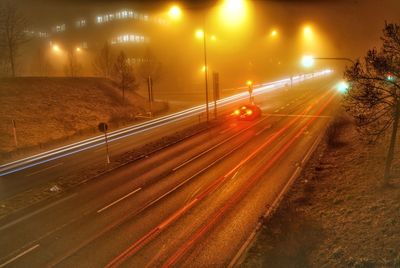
(150, 92)
(216, 92)
(206, 68)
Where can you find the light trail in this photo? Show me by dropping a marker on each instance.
(136, 246)
(87, 144)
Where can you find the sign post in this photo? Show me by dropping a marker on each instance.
(103, 128)
(250, 89)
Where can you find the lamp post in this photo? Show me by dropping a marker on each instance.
(205, 68)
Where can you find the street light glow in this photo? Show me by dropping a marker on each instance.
(342, 87)
(249, 82)
(55, 48)
(307, 31)
(307, 61)
(175, 12)
(78, 49)
(233, 12)
(274, 33)
(213, 38)
(199, 33)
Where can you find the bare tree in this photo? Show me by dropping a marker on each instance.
(374, 95)
(103, 61)
(150, 67)
(123, 74)
(72, 68)
(12, 32)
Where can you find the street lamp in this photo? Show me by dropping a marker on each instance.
(175, 12)
(307, 61)
(202, 34)
(55, 48)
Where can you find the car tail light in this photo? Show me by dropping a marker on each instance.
(236, 112)
(249, 112)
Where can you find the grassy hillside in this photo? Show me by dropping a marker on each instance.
(47, 110)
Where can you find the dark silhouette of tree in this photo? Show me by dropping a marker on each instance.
(73, 68)
(13, 26)
(123, 74)
(104, 61)
(150, 67)
(374, 94)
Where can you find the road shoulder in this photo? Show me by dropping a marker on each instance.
(337, 213)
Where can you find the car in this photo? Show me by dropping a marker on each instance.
(247, 112)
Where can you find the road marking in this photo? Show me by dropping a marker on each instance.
(218, 144)
(36, 212)
(119, 200)
(288, 104)
(302, 115)
(44, 169)
(277, 110)
(20, 255)
(224, 131)
(262, 130)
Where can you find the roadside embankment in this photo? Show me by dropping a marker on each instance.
(50, 112)
(337, 213)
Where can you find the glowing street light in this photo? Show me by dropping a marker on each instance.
(342, 87)
(213, 38)
(233, 12)
(274, 33)
(175, 12)
(307, 31)
(307, 61)
(199, 33)
(78, 49)
(55, 48)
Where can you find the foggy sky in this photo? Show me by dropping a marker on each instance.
(353, 26)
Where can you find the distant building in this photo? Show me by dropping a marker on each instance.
(124, 29)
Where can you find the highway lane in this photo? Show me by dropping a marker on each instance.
(86, 208)
(48, 173)
(181, 231)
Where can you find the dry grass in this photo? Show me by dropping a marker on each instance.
(47, 110)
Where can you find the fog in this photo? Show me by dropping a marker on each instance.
(241, 50)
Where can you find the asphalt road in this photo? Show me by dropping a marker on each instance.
(192, 204)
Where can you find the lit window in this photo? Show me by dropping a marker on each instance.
(99, 19)
(80, 23)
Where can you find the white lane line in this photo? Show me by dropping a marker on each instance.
(234, 175)
(35, 212)
(301, 115)
(44, 169)
(262, 130)
(19, 255)
(224, 131)
(276, 111)
(288, 104)
(215, 146)
(119, 200)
